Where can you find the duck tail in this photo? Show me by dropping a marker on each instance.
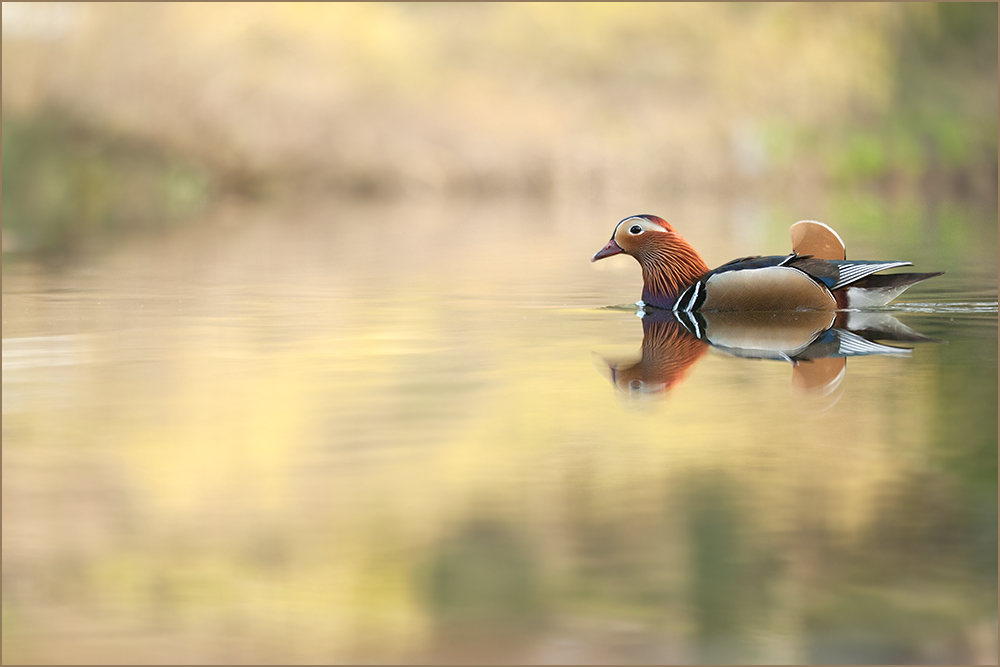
(878, 290)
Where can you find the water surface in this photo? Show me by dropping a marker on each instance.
(388, 433)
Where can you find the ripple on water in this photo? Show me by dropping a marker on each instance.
(964, 308)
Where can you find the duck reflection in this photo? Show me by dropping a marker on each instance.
(668, 352)
(816, 343)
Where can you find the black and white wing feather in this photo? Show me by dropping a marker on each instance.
(851, 272)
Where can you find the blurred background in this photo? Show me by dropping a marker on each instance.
(298, 324)
(116, 117)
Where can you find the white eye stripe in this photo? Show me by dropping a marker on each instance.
(643, 225)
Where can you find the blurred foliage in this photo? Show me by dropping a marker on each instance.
(965, 447)
(483, 585)
(718, 577)
(966, 439)
(537, 100)
(939, 128)
(66, 184)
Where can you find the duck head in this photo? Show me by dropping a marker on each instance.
(669, 263)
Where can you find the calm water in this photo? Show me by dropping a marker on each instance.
(414, 433)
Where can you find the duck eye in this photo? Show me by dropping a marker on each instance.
(635, 229)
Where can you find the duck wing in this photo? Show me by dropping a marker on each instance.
(757, 284)
(836, 274)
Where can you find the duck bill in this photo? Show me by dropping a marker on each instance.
(607, 251)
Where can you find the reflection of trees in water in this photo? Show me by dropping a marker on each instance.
(483, 590)
(887, 596)
(699, 576)
(717, 588)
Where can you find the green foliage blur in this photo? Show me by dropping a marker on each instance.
(483, 582)
(942, 129)
(66, 185)
(119, 117)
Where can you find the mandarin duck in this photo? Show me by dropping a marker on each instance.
(816, 275)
